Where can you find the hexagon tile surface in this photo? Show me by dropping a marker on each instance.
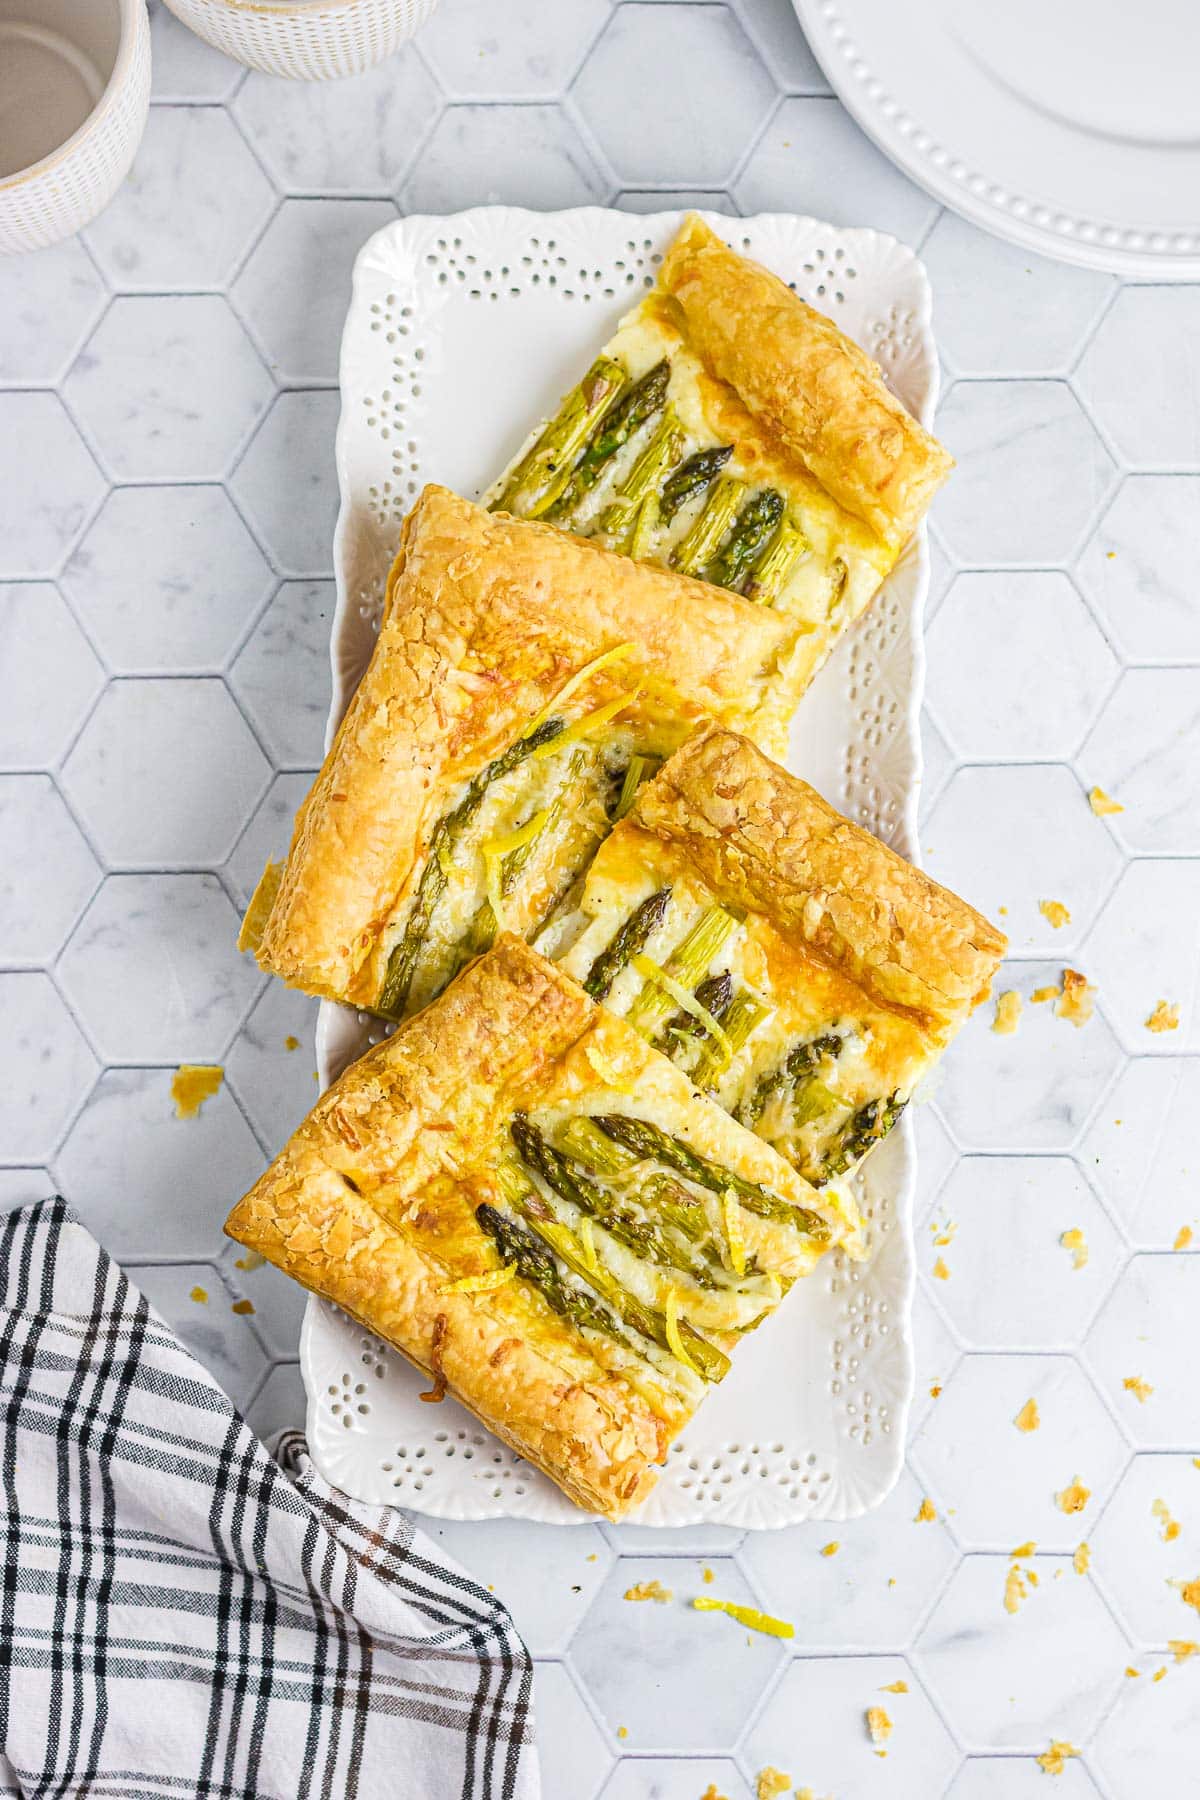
(167, 413)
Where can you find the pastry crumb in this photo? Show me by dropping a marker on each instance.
(1082, 1559)
(1042, 994)
(1026, 1549)
(1055, 912)
(1029, 1418)
(199, 1295)
(1182, 1648)
(711, 1792)
(1159, 1674)
(1183, 1238)
(1134, 1384)
(290, 1042)
(253, 1259)
(1170, 1527)
(1076, 1243)
(243, 1308)
(1189, 1592)
(649, 1590)
(708, 1575)
(1132, 1673)
(1165, 1017)
(935, 1391)
(926, 1512)
(894, 1687)
(1074, 1497)
(1008, 1013)
(622, 1731)
(1015, 1589)
(1054, 1760)
(771, 1783)
(1078, 999)
(940, 1271)
(879, 1725)
(192, 1084)
(830, 1549)
(1103, 804)
(943, 1235)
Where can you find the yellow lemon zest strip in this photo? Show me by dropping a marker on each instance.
(481, 1284)
(584, 727)
(576, 681)
(733, 1232)
(649, 970)
(746, 1615)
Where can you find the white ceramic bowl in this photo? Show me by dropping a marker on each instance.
(74, 90)
(305, 40)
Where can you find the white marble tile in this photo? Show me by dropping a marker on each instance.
(1145, 949)
(281, 676)
(288, 485)
(183, 66)
(145, 383)
(167, 946)
(971, 842)
(1136, 569)
(49, 481)
(514, 155)
(572, 1752)
(1139, 1554)
(936, 1156)
(938, 762)
(674, 1678)
(1011, 1284)
(812, 158)
(546, 1575)
(528, 51)
(1147, 1743)
(1135, 376)
(22, 1187)
(166, 772)
(942, 570)
(60, 675)
(47, 872)
(1138, 1336)
(676, 1778)
(936, 1354)
(1042, 704)
(340, 137)
(776, 30)
(267, 836)
(872, 1592)
(49, 301)
(280, 1403)
(682, 1540)
(277, 1301)
(1143, 751)
(652, 200)
(815, 1727)
(1031, 474)
(1002, 1679)
(295, 287)
(1001, 310)
(189, 209)
(694, 127)
(222, 1341)
(142, 1179)
(200, 579)
(1018, 1778)
(46, 1066)
(995, 1483)
(1140, 1151)
(275, 1084)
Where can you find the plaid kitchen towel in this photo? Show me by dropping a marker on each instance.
(182, 1615)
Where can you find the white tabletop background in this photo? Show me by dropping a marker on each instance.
(167, 408)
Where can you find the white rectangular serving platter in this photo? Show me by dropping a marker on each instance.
(461, 331)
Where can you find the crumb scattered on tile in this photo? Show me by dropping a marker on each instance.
(1082, 1559)
(242, 1307)
(940, 1271)
(1132, 1673)
(1026, 1549)
(1103, 804)
(1165, 1017)
(192, 1084)
(712, 1792)
(1055, 912)
(1078, 999)
(1042, 994)
(926, 1512)
(708, 1575)
(1170, 1526)
(943, 1235)
(879, 1725)
(1008, 1013)
(894, 1687)
(1134, 1384)
(291, 1043)
(1159, 1673)
(622, 1731)
(1054, 1760)
(935, 1391)
(771, 1783)
(649, 1590)
(199, 1295)
(1029, 1418)
(1182, 1648)
(1074, 1497)
(1183, 1238)
(1015, 1589)
(1189, 1592)
(253, 1259)
(830, 1549)
(592, 1557)
(1076, 1243)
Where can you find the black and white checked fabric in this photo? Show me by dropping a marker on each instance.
(182, 1615)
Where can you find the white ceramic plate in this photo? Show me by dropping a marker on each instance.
(460, 332)
(1071, 127)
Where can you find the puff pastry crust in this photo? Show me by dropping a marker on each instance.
(486, 618)
(372, 1203)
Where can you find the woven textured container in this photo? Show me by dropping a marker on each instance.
(57, 196)
(313, 42)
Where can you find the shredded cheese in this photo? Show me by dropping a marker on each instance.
(481, 1284)
(608, 1072)
(497, 848)
(749, 1616)
(734, 1240)
(575, 682)
(649, 970)
(674, 1335)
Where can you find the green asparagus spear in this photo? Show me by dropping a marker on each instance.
(640, 401)
(631, 937)
(650, 1142)
(542, 474)
(640, 769)
(773, 570)
(583, 1139)
(753, 530)
(634, 512)
(535, 1264)
(692, 478)
(715, 995)
(712, 1363)
(402, 963)
(796, 1066)
(869, 1126)
(686, 964)
(698, 545)
(572, 1182)
(739, 1024)
(483, 927)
